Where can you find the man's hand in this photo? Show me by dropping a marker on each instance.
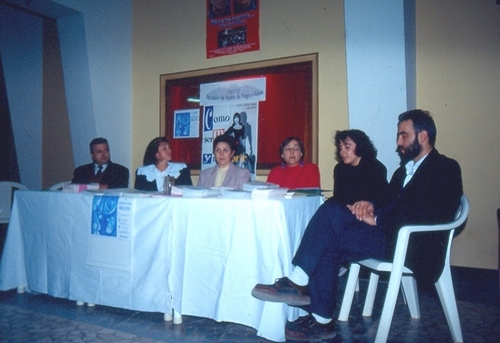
(364, 211)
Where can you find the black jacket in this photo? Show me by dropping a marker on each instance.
(114, 176)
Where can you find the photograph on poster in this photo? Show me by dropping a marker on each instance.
(237, 120)
(187, 123)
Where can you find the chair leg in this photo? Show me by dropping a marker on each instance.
(411, 295)
(370, 295)
(389, 305)
(350, 288)
(444, 287)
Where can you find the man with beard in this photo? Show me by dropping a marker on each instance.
(425, 190)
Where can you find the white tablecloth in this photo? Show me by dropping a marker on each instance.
(200, 257)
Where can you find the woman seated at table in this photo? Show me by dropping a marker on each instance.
(358, 175)
(158, 165)
(294, 173)
(225, 173)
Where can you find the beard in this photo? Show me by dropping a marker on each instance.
(409, 153)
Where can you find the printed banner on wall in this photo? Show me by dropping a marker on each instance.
(231, 107)
(238, 91)
(239, 121)
(187, 123)
(232, 27)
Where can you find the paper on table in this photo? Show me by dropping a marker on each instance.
(250, 186)
(273, 193)
(199, 192)
(235, 194)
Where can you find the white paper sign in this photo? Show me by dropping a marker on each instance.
(110, 243)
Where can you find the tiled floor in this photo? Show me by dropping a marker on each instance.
(40, 318)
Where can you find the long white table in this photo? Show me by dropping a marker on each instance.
(200, 257)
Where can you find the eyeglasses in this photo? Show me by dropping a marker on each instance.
(289, 149)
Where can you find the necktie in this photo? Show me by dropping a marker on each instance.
(98, 175)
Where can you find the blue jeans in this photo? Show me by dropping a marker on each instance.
(333, 236)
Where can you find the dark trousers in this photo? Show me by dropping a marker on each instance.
(333, 236)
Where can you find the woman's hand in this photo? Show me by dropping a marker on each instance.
(364, 211)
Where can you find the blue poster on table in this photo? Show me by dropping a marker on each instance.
(104, 216)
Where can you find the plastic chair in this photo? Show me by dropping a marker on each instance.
(59, 186)
(400, 275)
(7, 189)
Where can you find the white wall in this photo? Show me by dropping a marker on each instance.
(376, 72)
(107, 34)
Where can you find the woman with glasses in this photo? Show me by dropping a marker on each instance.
(294, 173)
(225, 173)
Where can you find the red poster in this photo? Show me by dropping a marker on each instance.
(232, 27)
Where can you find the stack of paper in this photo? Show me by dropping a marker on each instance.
(199, 192)
(250, 186)
(270, 193)
(124, 192)
(177, 190)
(78, 187)
(235, 194)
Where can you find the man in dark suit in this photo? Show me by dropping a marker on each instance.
(102, 170)
(426, 189)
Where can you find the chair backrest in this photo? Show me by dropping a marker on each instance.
(59, 186)
(460, 217)
(405, 232)
(7, 189)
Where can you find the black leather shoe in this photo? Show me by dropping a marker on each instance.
(308, 329)
(283, 290)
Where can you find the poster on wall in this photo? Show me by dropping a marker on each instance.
(232, 27)
(187, 123)
(231, 108)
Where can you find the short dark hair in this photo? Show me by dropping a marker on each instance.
(287, 141)
(151, 150)
(422, 121)
(364, 146)
(98, 140)
(226, 139)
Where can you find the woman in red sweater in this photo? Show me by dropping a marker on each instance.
(294, 173)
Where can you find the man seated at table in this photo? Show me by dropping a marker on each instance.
(101, 170)
(425, 190)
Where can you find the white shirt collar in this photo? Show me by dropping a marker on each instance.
(411, 168)
(96, 167)
(153, 173)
